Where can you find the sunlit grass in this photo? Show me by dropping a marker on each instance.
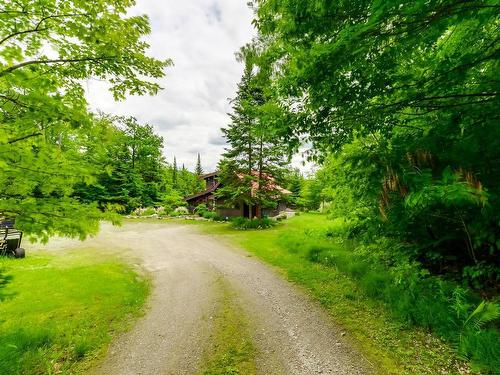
(63, 310)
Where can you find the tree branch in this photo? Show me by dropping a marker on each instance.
(39, 23)
(23, 138)
(54, 61)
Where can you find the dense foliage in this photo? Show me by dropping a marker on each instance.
(399, 101)
(130, 169)
(47, 49)
(429, 302)
(406, 96)
(244, 223)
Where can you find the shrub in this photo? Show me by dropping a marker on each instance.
(200, 209)
(244, 223)
(414, 296)
(167, 210)
(220, 218)
(182, 211)
(210, 215)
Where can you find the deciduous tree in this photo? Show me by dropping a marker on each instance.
(47, 50)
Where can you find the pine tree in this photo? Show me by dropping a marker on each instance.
(255, 154)
(174, 173)
(198, 169)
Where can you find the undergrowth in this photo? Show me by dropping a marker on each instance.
(244, 223)
(413, 296)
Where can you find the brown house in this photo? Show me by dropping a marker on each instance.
(208, 198)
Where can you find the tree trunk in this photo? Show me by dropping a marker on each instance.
(261, 163)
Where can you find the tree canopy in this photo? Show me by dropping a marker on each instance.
(398, 101)
(349, 68)
(402, 100)
(47, 50)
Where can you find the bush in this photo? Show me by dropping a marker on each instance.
(182, 211)
(244, 223)
(201, 209)
(210, 215)
(220, 218)
(166, 210)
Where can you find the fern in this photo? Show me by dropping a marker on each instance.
(486, 312)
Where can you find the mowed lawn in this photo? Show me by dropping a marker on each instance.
(62, 310)
(393, 346)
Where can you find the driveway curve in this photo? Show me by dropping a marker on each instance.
(291, 333)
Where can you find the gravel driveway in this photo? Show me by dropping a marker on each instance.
(292, 334)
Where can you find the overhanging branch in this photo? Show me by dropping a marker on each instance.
(53, 61)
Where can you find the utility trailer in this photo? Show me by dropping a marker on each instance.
(10, 240)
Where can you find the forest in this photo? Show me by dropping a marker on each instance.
(399, 104)
(134, 173)
(395, 102)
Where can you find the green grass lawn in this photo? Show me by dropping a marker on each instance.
(62, 310)
(392, 346)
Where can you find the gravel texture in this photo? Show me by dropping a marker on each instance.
(292, 334)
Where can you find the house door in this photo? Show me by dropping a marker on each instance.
(246, 210)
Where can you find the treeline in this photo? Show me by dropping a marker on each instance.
(130, 169)
(399, 102)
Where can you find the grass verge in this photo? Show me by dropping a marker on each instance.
(63, 309)
(394, 347)
(231, 351)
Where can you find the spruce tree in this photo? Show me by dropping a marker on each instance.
(174, 173)
(198, 169)
(255, 154)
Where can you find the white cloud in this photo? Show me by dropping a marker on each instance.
(201, 36)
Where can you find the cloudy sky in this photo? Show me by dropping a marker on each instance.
(201, 36)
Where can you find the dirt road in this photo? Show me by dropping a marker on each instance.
(291, 334)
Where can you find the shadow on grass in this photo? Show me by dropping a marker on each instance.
(4, 281)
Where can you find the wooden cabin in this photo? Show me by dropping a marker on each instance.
(208, 198)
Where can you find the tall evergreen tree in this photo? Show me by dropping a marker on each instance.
(199, 168)
(255, 154)
(174, 173)
(240, 133)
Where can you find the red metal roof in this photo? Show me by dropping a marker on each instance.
(271, 185)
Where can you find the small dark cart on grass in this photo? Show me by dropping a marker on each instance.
(10, 240)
